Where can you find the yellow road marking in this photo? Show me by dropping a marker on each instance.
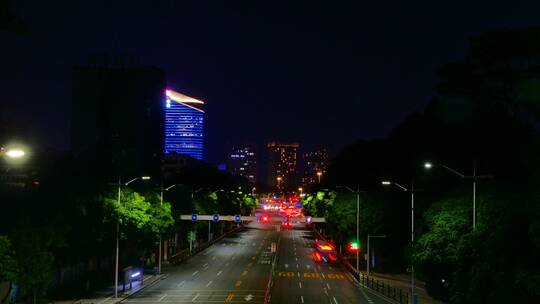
(244, 273)
(238, 283)
(229, 297)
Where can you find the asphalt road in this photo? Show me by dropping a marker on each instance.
(234, 270)
(237, 270)
(299, 279)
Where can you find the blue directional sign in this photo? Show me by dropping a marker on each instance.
(215, 217)
(237, 218)
(194, 217)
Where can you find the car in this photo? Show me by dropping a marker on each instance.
(287, 225)
(324, 252)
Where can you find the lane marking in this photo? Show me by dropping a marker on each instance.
(163, 297)
(244, 273)
(286, 265)
(335, 301)
(219, 272)
(328, 285)
(193, 274)
(229, 297)
(205, 265)
(298, 273)
(300, 284)
(209, 283)
(302, 299)
(250, 264)
(181, 283)
(238, 283)
(195, 298)
(297, 266)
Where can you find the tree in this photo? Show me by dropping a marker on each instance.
(8, 269)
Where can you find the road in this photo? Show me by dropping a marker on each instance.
(299, 279)
(237, 270)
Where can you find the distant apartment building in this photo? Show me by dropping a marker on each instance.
(184, 125)
(283, 165)
(242, 161)
(117, 121)
(315, 164)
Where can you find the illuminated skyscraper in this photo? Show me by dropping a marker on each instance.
(242, 161)
(283, 165)
(184, 125)
(315, 164)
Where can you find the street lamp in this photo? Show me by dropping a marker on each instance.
(368, 261)
(474, 177)
(118, 230)
(161, 203)
(411, 190)
(357, 191)
(301, 189)
(319, 174)
(279, 179)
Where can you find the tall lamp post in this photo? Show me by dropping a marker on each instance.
(357, 191)
(319, 174)
(161, 203)
(118, 230)
(411, 190)
(474, 177)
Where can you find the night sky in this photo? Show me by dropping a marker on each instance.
(315, 72)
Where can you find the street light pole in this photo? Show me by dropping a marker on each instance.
(368, 261)
(411, 190)
(474, 177)
(117, 258)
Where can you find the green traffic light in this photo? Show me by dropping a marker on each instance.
(354, 246)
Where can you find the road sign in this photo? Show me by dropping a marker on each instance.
(237, 218)
(191, 236)
(215, 217)
(194, 217)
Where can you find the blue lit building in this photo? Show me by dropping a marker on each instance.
(184, 125)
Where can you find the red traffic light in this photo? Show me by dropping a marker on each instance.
(265, 218)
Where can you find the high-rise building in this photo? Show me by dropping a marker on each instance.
(282, 165)
(184, 125)
(117, 121)
(315, 164)
(242, 161)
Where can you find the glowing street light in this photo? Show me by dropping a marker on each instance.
(116, 268)
(15, 153)
(474, 177)
(411, 190)
(319, 174)
(301, 189)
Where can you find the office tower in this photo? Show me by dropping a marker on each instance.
(117, 122)
(242, 161)
(282, 165)
(315, 164)
(184, 125)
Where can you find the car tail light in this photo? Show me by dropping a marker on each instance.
(317, 257)
(332, 257)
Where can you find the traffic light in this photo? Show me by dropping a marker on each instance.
(354, 246)
(265, 218)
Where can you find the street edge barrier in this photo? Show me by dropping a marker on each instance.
(272, 270)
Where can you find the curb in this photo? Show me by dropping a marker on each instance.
(160, 278)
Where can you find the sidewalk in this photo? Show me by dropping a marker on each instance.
(106, 296)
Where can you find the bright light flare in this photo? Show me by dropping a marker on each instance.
(15, 153)
(145, 177)
(136, 274)
(428, 165)
(386, 183)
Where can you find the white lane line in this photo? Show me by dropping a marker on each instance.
(298, 274)
(302, 299)
(296, 259)
(195, 297)
(105, 300)
(335, 301)
(328, 285)
(286, 265)
(163, 297)
(195, 273)
(181, 283)
(209, 283)
(219, 272)
(205, 265)
(297, 266)
(300, 284)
